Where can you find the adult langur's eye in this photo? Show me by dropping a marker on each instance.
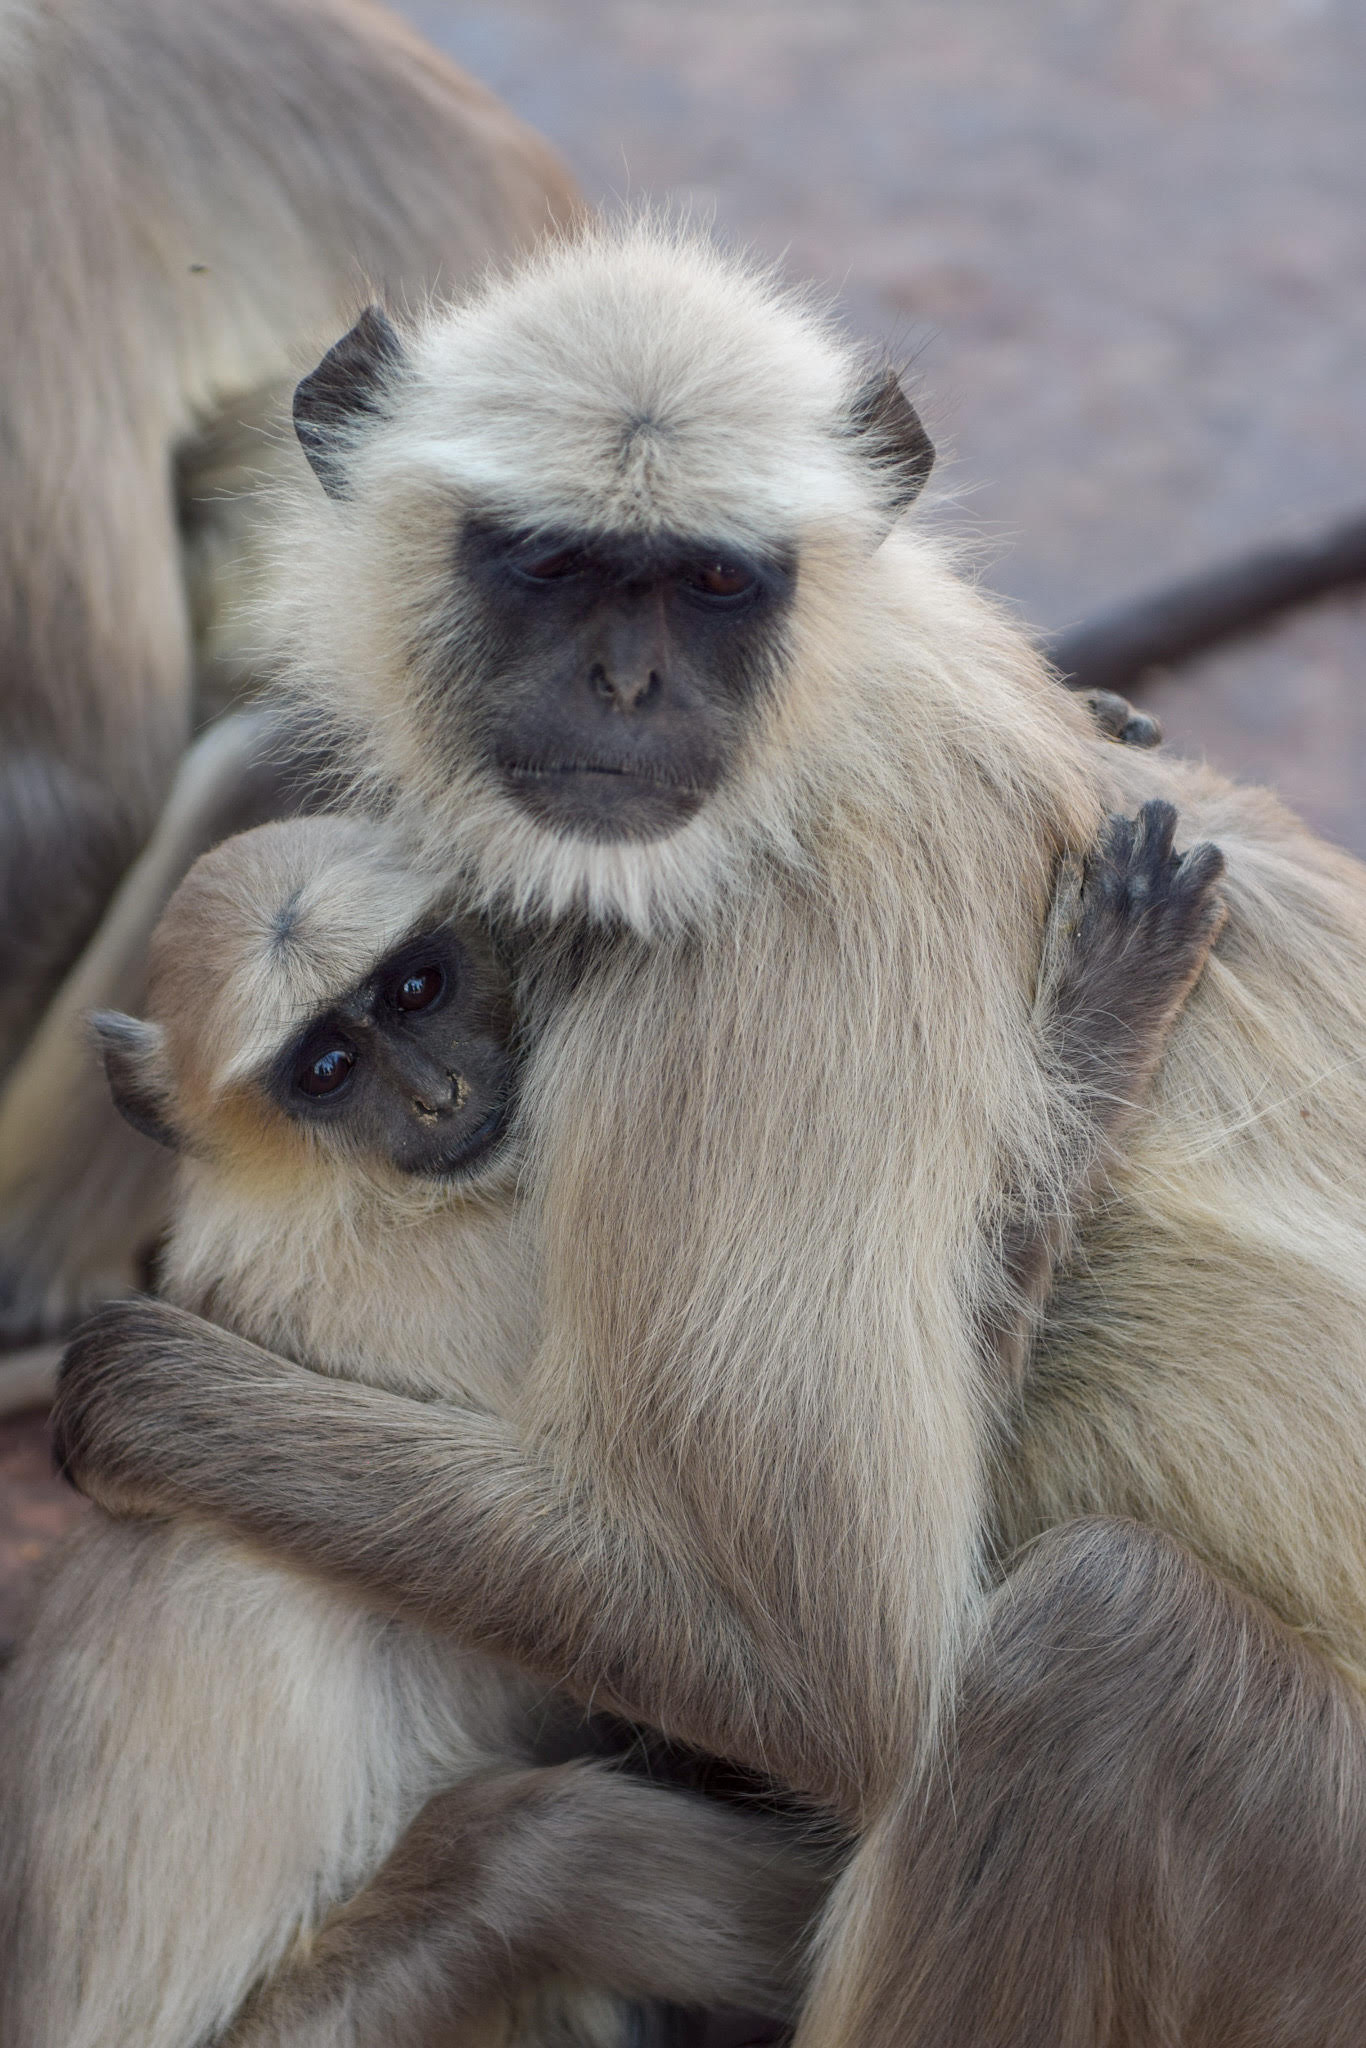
(327, 1072)
(722, 579)
(420, 989)
(551, 568)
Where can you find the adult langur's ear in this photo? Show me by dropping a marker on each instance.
(346, 386)
(884, 420)
(134, 1056)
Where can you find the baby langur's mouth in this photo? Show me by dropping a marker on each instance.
(480, 1141)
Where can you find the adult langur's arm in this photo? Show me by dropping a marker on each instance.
(435, 1512)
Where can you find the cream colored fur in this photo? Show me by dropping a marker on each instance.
(784, 1084)
(776, 1123)
(218, 1751)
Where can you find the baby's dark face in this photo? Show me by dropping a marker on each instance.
(414, 1068)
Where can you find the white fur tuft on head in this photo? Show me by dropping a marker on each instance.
(637, 378)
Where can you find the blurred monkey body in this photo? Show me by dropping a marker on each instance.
(205, 1752)
(198, 197)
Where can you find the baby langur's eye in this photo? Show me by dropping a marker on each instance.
(420, 989)
(326, 1072)
(722, 579)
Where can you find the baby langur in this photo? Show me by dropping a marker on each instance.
(215, 1750)
(210, 1751)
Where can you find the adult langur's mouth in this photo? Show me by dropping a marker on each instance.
(607, 771)
(601, 800)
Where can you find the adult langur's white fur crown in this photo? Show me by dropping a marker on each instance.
(639, 381)
(634, 380)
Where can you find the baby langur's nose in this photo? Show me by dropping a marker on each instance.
(420, 1078)
(440, 1095)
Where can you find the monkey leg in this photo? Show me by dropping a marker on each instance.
(572, 1872)
(64, 842)
(1153, 1830)
(82, 1197)
(94, 647)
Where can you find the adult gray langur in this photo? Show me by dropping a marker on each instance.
(196, 198)
(609, 581)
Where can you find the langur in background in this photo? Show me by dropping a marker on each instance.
(197, 197)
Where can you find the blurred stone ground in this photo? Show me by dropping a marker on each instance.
(1122, 244)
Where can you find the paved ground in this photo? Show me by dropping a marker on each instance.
(1120, 241)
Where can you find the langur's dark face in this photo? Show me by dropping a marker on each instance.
(415, 1067)
(617, 673)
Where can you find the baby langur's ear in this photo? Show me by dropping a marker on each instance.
(134, 1056)
(346, 388)
(888, 427)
